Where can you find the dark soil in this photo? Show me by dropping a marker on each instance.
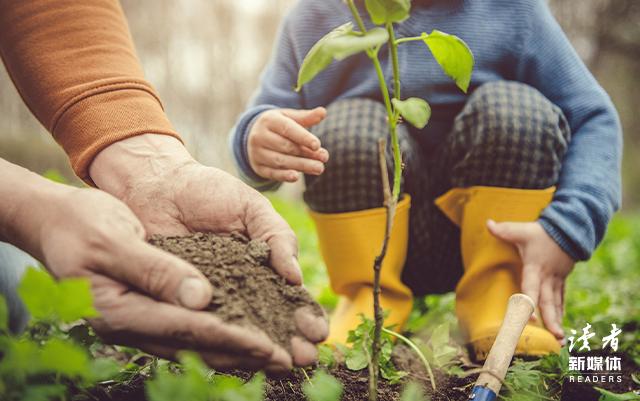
(356, 384)
(449, 388)
(247, 292)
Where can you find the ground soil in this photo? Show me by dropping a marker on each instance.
(246, 290)
(449, 388)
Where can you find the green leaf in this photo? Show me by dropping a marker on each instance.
(416, 111)
(323, 387)
(64, 358)
(609, 396)
(67, 300)
(356, 359)
(325, 356)
(230, 388)
(253, 390)
(75, 300)
(338, 44)
(4, 315)
(388, 11)
(20, 358)
(390, 372)
(191, 385)
(103, 369)
(441, 352)
(38, 291)
(168, 387)
(44, 392)
(413, 392)
(453, 55)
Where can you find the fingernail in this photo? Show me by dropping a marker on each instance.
(325, 155)
(194, 293)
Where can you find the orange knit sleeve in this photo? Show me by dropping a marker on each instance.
(75, 66)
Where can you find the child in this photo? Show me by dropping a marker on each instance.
(509, 186)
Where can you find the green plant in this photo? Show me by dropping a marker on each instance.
(358, 356)
(413, 392)
(415, 348)
(323, 387)
(451, 53)
(609, 396)
(42, 363)
(326, 357)
(193, 381)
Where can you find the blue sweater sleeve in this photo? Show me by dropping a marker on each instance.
(589, 189)
(275, 91)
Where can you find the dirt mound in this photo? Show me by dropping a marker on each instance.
(247, 292)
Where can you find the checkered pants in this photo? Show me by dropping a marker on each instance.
(507, 135)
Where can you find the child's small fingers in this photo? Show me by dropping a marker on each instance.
(277, 174)
(559, 301)
(280, 144)
(531, 282)
(283, 161)
(321, 154)
(548, 309)
(306, 118)
(295, 132)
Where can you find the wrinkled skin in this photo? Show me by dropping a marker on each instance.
(172, 194)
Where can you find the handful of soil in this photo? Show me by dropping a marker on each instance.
(247, 292)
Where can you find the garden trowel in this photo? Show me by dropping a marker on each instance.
(488, 385)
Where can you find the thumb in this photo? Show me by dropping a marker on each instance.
(159, 274)
(306, 118)
(513, 233)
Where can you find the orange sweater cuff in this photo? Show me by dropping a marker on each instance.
(108, 115)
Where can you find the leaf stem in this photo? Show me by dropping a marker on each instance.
(408, 39)
(356, 16)
(393, 51)
(415, 348)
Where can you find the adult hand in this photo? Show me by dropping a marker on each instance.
(143, 295)
(279, 145)
(545, 268)
(172, 194)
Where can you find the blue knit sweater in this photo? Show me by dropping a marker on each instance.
(515, 40)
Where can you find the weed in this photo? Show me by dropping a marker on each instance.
(358, 356)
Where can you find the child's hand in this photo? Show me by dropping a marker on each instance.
(545, 268)
(279, 144)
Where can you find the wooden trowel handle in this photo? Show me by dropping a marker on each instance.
(519, 311)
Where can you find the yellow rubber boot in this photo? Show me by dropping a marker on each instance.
(349, 244)
(492, 267)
